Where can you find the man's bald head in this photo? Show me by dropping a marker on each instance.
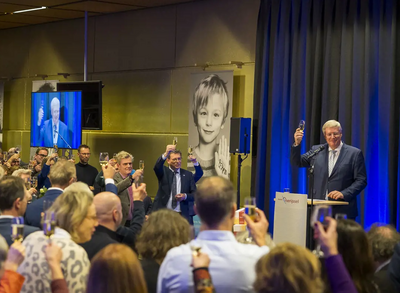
(214, 199)
(108, 209)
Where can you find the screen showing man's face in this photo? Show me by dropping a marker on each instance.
(55, 114)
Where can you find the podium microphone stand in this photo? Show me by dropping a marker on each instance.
(311, 207)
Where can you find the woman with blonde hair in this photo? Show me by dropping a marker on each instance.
(163, 230)
(75, 220)
(116, 269)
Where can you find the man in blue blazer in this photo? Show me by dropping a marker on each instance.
(62, 175)
(176, 186)
(339, 169)
(52, 130)
(13, 202)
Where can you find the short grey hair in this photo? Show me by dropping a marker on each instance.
(20, 172)
(214, 199)
(55, 103)
(123, 155)
(383, 239)
(331, 123)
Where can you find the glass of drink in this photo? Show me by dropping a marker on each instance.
(5, 154)
(175, 141)
(17, 229)
(250, 210)
(141, 164)
(49, 223)
(319, 214)
(34, 181)
(103, 159)
(190, 150)
(302, 125)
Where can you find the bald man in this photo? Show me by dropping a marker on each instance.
(109, 215)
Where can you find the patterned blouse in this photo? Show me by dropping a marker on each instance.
(75, 263)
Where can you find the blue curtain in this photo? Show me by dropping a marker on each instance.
(320, 60)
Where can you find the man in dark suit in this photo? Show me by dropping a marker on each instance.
(13, 202)
(109, 215)
(61, 175)
(52, 130)
(176, 186)
(339, 169)
(383, 239)
(394, 268)
(124, 180)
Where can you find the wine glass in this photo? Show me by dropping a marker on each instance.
(319, 214)
(17, 229)
(31, 165)
(34, 182)
(190, 150)
(175, 141)
(103, 159)
(250, 210)
(302, 125)
(49, 223)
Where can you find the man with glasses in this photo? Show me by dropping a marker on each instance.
(176, 185)
(85, 172)
(41, 153)
(339, 169)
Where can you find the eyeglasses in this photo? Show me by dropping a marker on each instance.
(43, 156)
(334, 134)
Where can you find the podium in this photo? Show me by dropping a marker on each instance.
(292, 217)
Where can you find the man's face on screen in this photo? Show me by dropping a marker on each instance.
(55, 114)
(333, 137)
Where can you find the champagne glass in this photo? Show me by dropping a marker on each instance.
(140, 179)
(302, 125)
(103, 159)
(319, 214)
(49, 223)
(141, 164)
(175, 141)
(17, 229)
(194, 247)
(190, 150)
(250, 210)
(31, 165)
(5, 154)
(34, 181)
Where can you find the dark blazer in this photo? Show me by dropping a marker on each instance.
(126, 235)
(383, 281)
(43, 179)
(112, 188)
(5, 230)
(46, 134)
(188, 186)
(100, 239)
(394, 268)
(150, 269)
(123, 194)
(34, 210)
(349, 175)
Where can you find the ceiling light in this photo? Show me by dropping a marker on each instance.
(28, 10)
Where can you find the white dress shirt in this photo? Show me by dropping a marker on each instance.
(231, 267)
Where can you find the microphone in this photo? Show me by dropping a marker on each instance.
(316, 151)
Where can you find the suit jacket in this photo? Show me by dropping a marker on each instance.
(188, 186)
(112, 188)
(383, 281)
(46, 134)
(150, 269)
(123, 194)
(34, 210)
(5, 230)
(100, 239)
(348, 176)
(394, 268)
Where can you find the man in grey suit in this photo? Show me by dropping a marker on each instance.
(339, 169)
(124, 180)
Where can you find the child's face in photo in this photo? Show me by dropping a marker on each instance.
(209, 118)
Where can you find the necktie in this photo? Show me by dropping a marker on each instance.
(173, 190)
(331, 164)
(54, 132)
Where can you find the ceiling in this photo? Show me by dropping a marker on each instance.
(68, 9)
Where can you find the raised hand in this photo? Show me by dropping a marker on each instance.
(40, 116)
(108, 171)
(222, 158)
(169, 149)
(298, 136)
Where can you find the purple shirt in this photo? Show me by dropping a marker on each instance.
(130, 191)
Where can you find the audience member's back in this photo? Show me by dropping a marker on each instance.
(383, 240)
(232, 263)
(62, 174)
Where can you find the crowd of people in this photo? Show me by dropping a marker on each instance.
(100, 232)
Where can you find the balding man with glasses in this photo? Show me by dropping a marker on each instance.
(176, 186)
